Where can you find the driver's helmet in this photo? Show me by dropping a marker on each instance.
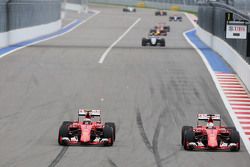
(152, 34)
(210, 125)
(87, 121)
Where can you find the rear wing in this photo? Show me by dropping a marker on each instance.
(92, 113)
(207, 117)
(215, 117)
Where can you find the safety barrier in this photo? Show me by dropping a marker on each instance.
(209, 21)
(212, 32)
(3, 24)
(25, 19)
(151, 4)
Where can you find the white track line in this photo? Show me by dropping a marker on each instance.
(101, 60)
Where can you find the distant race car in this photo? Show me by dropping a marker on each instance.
(158, 32)
(89, 130)
(160, 29)
(163, 26)
(210, 135)
(153, 41)
(129, 9)
(175, 18)
(161, 13)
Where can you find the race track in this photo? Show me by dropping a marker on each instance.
(150, 93)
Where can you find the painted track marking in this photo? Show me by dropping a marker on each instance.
(104, 55)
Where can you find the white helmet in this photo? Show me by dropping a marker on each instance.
(87, 121)
(210, 125)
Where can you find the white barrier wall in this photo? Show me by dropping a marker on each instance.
(74, 7)
(3, 39)
(228, 53)
(24, 34)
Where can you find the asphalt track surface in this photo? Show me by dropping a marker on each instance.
(150, 93)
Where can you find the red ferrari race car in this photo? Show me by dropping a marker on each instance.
(210, 135)
(88, 129)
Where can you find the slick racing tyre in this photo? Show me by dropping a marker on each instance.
(66, 122)
(63, 132)
(112, 125)
(162, 42)
(108, 134)
(188, 137)
(183, 131)
(235, 138)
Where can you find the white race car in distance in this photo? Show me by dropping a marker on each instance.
(129, 9)
(153, 41)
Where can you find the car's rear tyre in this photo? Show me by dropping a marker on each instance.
(189, 136)
(108, 134)
(235, 138)
(112, 125)
(63, 132)
(183, 131)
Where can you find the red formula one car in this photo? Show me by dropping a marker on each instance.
(89, 130)
(210, 135)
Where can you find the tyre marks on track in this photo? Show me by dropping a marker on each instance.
(59, 156)
(142, 131)
(154, 146)
(112, 164)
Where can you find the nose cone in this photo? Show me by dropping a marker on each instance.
(212, 141)
(85, 136)
(212, 138)
(153, 41)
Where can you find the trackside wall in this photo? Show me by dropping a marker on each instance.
(211, 31)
